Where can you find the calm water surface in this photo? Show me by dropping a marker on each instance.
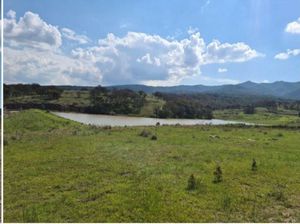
(104, 120)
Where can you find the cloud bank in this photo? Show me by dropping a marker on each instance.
(33, 53)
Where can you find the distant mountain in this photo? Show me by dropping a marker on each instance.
(280, 89)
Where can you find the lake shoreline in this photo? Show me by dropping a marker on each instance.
(122, 120)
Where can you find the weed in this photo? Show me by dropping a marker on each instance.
(154, 137)
(254, 166)
(218, 175)
(191, 183)
(30, 215)
(145, 133)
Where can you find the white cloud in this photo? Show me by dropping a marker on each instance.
(192, 30)
(217, 52)
(133, 58)
(287, 54)
(11, 14)
(222, 70)
(47, 67)
(217, 81)
(293, 27)
(71, 35)
(30, 31)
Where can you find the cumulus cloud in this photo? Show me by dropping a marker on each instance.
(71, 35)
(47, 67)
(151, 59)
(133, 58)
(217, 52)
(293, 27)
(31, 31)
(286, 55)
(222, 70)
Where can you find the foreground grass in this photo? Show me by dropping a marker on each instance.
(61, 171)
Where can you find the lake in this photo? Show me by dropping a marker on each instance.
(105, 120)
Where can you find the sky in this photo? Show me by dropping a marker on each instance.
(158, 42)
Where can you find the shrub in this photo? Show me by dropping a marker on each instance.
(153, 137)
(254, 166)
(250, 109)
(226, 202)
(145, 133)
(279, 135)
(218, 175)
(191, 183)
(157, 124)
(107, 127)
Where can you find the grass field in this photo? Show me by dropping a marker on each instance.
(261, 116)
(61, 171)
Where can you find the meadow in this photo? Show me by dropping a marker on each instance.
(57, 170)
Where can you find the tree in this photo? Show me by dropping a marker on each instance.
(250, 109)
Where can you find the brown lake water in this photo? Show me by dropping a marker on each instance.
(105, 120)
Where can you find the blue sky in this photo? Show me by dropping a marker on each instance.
(174, 42)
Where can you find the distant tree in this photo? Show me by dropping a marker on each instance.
(250, 109)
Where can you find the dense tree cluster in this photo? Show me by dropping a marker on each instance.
(47, 92)
(201, 105)
(116, 101)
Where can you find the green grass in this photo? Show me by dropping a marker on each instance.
(61, 171)
(261, 116)
(151, 103)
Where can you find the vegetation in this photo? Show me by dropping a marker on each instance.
(100, 100)
(191, 183)
(57, 170)
(254, 166)
(218, 174)
(261, 116)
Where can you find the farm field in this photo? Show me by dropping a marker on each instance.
(61, 171)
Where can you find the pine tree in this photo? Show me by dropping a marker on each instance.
(191, 183)
(218, 174)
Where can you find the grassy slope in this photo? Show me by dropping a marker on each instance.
(57, 170)
(152, 102)
(261, 116)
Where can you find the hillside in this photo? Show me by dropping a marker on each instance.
(280, 89)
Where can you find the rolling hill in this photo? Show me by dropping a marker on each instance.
(279, 89)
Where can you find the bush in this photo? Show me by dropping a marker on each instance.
(191, 183)
(279, 135)
(153, 137)
(254, 166)
(250, 109)
(145, 133)
(218, 175)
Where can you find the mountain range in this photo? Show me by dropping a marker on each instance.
(279, 89)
